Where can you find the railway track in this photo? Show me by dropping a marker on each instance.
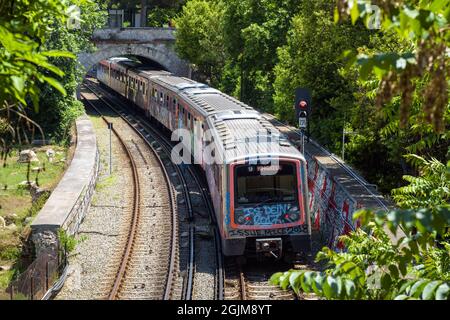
(142, 268)
(187, 210)
(233, 280)
(250, 281)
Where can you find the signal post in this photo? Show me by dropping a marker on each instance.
(303, 111)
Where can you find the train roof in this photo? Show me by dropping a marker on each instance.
(241, 129)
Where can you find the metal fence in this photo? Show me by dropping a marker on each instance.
(39, 277)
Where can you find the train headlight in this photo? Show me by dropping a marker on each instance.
(293, 214)
(242, 219)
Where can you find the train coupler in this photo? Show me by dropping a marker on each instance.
(271, 247)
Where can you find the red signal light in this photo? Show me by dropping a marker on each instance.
(286, 216)
(303, 104)
(248, 218)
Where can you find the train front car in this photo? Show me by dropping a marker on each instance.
(266, 209)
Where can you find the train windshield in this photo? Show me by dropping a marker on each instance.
(258, 184)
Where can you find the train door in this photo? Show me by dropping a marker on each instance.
(108, 81)
(154, 102)
(198, 133)
(167, 111)
(160, 106)
(180, 117)
(203, 144)
(172, 105)
(176, 115)
(190, 126)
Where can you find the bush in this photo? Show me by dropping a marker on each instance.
(66, 241)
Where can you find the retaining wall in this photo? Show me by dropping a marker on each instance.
(331, 206)
(69, 202)
(335, 195)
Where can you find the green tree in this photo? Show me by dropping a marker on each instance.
(424, 24)
(25, 63)
(233, 44)
(400, 254)
(311, 59)
(57, 113)
(253, 30)
(431, 189)
(200, 37)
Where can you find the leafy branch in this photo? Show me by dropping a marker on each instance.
(424, 24)
(399, 254)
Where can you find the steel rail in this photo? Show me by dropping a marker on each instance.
(220, 273)
(173, 253)
(136, 211)
(220, 277)
(242, 281)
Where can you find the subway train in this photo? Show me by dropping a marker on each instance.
(257, 179)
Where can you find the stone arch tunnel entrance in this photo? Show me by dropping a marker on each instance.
(153, 44)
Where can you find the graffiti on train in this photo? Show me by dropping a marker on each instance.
(269, 232)
(265, 215)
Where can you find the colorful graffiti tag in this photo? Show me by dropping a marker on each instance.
(266, 215)
(268, 232)
(330, 206)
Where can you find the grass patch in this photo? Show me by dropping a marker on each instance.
(16, 205)
(13, 173)
(106, 182)
(5, 278)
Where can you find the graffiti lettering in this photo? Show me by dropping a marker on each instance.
(266, 215)
(303, 229)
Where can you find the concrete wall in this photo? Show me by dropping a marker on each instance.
(331, 206)
(68, 203)
(142, 35)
